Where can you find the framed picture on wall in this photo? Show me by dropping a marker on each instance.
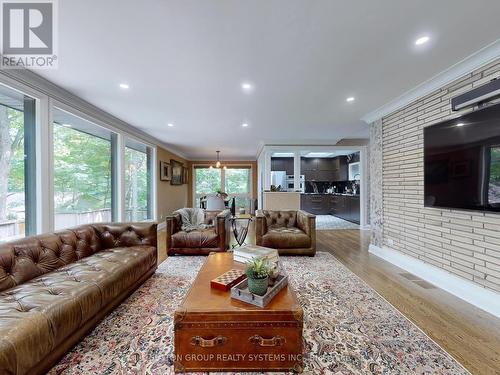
(165, 174)
(184, 175)
(176, 169)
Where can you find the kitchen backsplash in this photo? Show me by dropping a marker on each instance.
(323, 186)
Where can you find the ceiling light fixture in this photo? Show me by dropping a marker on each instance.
(460, 124)
(318, 154)
(422, 40)
(247, 86)
(170, 125)
(124, 86)
(245, 125)
(350, 99)
(218, 164)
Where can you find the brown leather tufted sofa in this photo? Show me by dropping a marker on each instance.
(290, 232)
(199, 242)
(55, 287)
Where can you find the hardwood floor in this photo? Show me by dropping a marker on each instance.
(469, 334)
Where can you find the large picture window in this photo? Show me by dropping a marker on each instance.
(137, 181)
(17, 159)
(234, 181)
(83, 188)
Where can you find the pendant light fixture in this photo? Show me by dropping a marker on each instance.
(218, 164)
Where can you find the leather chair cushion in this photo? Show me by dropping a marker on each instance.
(194, 239)
(285, 238)
(50, 307)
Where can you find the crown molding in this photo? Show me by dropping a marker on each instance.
(39, 84)
(458, 70)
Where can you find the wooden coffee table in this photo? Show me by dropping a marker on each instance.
(216, 333)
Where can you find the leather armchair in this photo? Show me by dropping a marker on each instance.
(199, 242)
(290, 232)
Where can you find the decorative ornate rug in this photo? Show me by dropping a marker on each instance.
(329, 222)
(348, 327)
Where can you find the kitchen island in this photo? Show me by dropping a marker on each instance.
(281, 200)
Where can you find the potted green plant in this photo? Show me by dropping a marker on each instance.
(258, 276)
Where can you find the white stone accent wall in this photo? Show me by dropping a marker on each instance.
(464, 243)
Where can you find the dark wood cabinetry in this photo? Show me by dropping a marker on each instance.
(314, 203)
(282, 164)
(344, 206)
(324, 169)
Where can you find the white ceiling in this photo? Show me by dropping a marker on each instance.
(185, 61)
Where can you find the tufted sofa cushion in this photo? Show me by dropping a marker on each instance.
(52, 285)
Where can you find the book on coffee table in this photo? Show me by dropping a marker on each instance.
(246, 253)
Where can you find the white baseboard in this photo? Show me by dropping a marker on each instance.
(476, 295)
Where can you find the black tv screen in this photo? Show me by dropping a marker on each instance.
(462, 162)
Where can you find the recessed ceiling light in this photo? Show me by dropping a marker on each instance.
(422, 40)
(350, 99)
(247, 86)
(124, 86)
(460, 124)
(245, 125)
(318, 154)
(170, 125)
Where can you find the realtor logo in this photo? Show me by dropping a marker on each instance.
(29, 34)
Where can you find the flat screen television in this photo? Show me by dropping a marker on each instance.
(462, 162)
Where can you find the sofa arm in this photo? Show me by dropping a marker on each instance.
(127, 234)
(260, 226)
(223, 229)
(174, 223)
(306, 222)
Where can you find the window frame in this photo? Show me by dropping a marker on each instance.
(33, 148)
(150, 187)
(48, 96)
(111, 140)
(248, 166)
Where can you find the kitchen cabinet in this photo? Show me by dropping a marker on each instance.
(316, 204)
(308, 164)
(324, 169)
(341, 173)
(345, 207)
(354, 209)
(282, 164)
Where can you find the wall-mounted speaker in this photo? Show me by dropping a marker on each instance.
(481, 94)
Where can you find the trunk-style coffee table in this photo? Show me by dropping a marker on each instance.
(216, 333)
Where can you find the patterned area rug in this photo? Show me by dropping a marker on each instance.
(348, 327)
(329, 222)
